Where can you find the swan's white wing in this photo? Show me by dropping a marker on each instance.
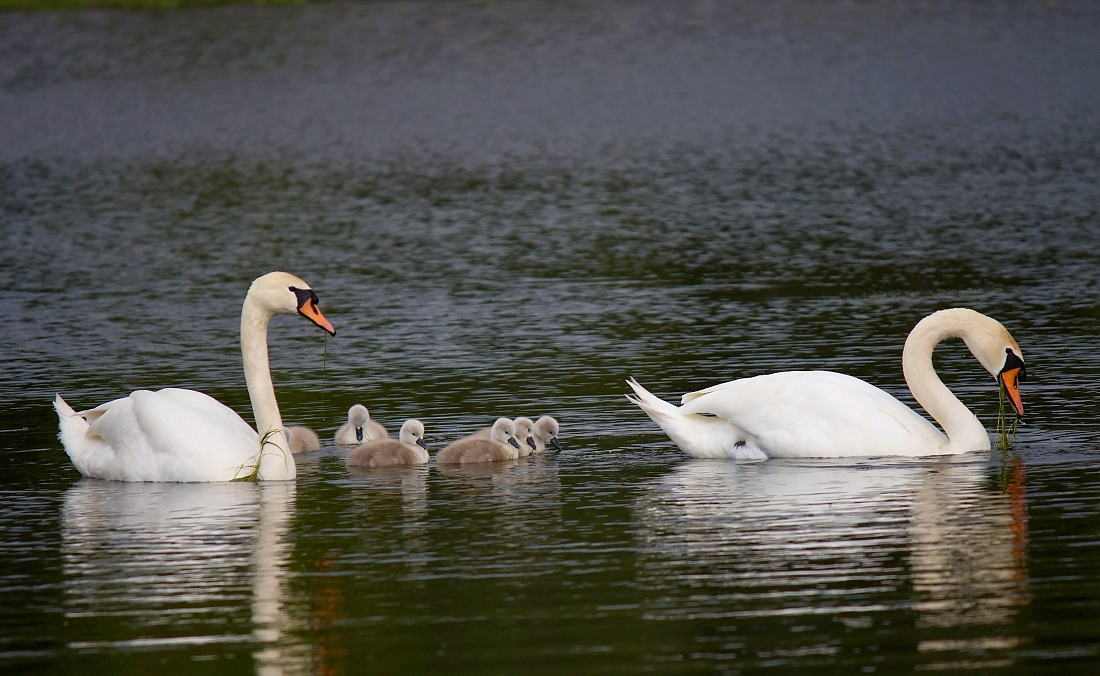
(210, 406)
(169, 435)
(818, 414)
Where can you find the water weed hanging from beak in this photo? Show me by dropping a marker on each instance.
(1007, 437)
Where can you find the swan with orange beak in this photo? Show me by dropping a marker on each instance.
(184, 435)
(822, 414)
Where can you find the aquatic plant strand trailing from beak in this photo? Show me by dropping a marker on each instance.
(1008, 438)
(324, 370)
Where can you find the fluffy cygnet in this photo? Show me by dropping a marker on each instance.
(524, 435)
(546, 432)
(301, 439)
(501, 445)
(360, 428)
(408, 449)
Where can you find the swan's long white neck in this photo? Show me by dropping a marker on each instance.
(276, 461)
(964, 431)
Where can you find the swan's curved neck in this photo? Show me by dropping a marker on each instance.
(276, 461)
(964, 431)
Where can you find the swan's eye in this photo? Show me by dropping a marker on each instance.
(305, 296)
(1014, 362)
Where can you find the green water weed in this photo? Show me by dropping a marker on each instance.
(324, 371)
(254, 474)
(1007, 437)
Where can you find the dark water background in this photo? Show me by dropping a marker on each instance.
(507, 209)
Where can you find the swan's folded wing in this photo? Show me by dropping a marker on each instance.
(212, 407)
(175, 435)
(817, 414)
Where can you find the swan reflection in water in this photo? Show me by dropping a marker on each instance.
(144, 562)
(968, 549)
(790, 538)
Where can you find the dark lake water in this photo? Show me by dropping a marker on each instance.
(507, 209)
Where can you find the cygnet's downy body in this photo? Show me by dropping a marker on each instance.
(407, 449)
(301, 439)
(360, 428)
(500, 445)
(524, 435)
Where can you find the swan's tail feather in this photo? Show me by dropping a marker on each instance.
(696, 435)
(71, 426)
(657, 409)
(91, 414)
(667, 416)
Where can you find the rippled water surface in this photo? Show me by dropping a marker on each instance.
(507, 209)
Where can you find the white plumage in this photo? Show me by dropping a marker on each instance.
(184, 435)
(824, 414)
(148, 436)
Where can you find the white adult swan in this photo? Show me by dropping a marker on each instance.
(821, 414)
(184, 435)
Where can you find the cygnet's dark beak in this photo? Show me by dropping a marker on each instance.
(554, 440)
(512, 440)
(530, 442)
(421, 444)
(358, 433)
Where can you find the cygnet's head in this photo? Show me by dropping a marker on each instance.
(412, 432)
(525, 430)
(358, 416)
(546, 429)
(504, 431)
(281, 292)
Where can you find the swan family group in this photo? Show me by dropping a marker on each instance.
(184, 435)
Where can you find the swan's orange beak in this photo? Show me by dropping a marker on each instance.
(307, 307)
(1011, 379)
(311, 312)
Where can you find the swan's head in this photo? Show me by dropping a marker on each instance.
(546, 428)
(997, 351)
(412, 433)
(283, 293)
(525, 430)
(358, 416)
(504, 431)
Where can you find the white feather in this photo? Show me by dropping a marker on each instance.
(697, 435)
(183, 435)
(796, 414)
(817, 414)
(148, 436)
